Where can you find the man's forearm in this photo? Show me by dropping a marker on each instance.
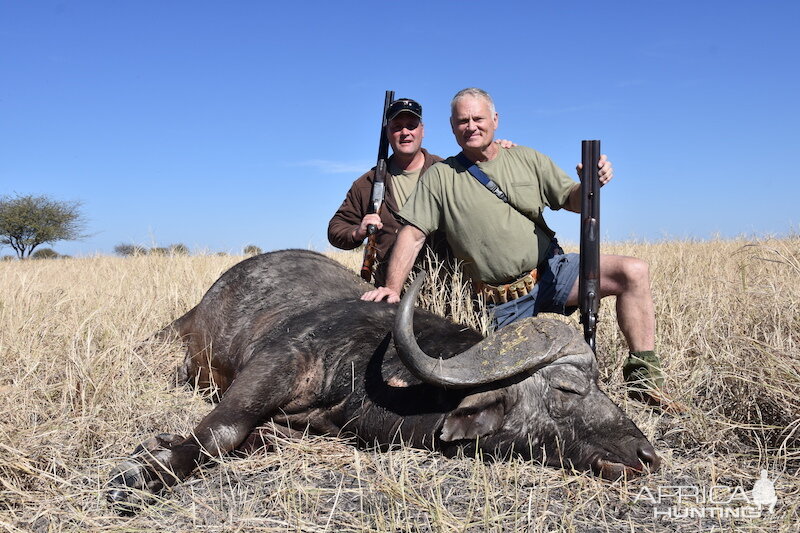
(341, 234)
(409, 242)
(573, 202)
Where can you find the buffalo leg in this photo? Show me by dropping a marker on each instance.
(266, 437)
(258, 392)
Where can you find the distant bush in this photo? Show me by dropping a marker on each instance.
(129, 250)
(133, 250)
(178, 249)
(7, 258)
(251, 249)
(45, 253)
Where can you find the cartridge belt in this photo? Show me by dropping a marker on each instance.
(506, 292)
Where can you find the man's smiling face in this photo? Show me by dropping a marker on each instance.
(473, 123)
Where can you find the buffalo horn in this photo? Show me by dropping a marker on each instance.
(522, 346)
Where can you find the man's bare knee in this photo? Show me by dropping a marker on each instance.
(636, 270)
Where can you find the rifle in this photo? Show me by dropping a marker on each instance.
(589, 284)
(378, 189)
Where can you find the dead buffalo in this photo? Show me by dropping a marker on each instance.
(286, 340)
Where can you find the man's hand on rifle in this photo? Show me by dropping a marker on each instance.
(606, 170)
(605, 173)
(360, 233)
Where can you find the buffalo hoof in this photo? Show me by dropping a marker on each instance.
(134, 480)
(126, 488)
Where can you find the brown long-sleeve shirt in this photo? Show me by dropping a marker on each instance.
(355, 208)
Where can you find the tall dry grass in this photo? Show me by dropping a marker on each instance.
(76, 396)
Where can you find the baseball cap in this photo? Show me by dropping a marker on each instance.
(404, 105)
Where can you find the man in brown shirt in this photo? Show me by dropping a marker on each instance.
(348, 227)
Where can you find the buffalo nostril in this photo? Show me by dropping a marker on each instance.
(647, 455)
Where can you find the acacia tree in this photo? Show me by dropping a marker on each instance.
(28, 221)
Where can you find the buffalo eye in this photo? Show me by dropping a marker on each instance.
(565, 393)
(570, 385)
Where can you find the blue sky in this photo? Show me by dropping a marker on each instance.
(222, 124)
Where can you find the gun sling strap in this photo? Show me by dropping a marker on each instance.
(495, 189)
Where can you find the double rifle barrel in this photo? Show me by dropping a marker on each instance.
(589, 279)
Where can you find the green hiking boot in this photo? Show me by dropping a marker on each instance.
(645, 380)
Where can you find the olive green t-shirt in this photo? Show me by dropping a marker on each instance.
(403, 182)
(494, 240)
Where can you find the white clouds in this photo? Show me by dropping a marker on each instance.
(335, 167)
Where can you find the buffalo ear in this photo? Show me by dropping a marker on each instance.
(476, 416)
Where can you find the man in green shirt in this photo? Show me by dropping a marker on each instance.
(504, 244)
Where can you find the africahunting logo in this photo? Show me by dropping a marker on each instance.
(675, 502)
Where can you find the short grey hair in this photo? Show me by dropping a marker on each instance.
(475, 93)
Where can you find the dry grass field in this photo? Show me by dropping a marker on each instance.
(76, 396)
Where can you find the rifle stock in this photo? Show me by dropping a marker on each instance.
(589, 279)
(377, 194)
